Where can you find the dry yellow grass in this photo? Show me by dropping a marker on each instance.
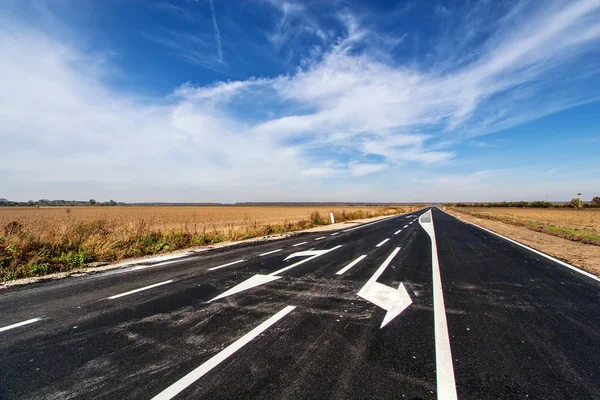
(50, 220)
(38, 241)
(581, 225)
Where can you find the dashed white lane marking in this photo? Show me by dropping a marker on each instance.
(382, 242)
(299, 244)
(269, 252)
(319, 238)
(405, 226)
(398, 231)
(140, 289)
(221, 356)
(352, 264)
(18, 324)
(446, 385)
(139, 267)
(226, 265)
(333, 234)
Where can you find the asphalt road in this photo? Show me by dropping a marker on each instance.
(465, 314)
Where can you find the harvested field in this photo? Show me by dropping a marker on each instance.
(581, 225)
(38, 241)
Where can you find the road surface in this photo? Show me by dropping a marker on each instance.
(418, 306)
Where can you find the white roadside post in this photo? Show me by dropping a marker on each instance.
(332, 219)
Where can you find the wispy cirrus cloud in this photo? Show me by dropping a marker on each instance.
(217, 32)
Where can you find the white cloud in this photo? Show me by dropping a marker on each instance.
(345, 115)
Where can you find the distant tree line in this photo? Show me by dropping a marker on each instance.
(574, 203)
(70, 203)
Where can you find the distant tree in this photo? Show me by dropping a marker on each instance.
(596, 201)
(575, 203)
(112, 203)
(92, 202)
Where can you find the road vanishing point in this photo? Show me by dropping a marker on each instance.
(415, 306)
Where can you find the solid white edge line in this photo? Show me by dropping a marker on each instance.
(298, 244)
(398, 231)
(140, 289)
(269, 252)
(564, 264)
(18, 324)
(382, 242)
(444, 369)
(225, 265)
(352, 264)
(221, 356)
(371, 223)
(319, 238)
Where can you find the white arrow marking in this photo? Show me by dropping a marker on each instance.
(391, 300)
(446, 385)
(253, 281)
(260, 279)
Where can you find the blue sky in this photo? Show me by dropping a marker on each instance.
(268, 100)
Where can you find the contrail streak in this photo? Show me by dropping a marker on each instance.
(217, 32)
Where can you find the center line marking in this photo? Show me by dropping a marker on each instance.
(18, 324)
(140, 289)
(226, 265)
(398, 231)
(352, 264)
(405, 226)
(299, 244)
(446, 384)
(269, 252)
(333, 234)
(319, 238)
(382, 242)
(221, 356)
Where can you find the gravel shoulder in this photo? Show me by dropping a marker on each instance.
(581, 255)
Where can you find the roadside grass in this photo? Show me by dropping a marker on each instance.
(572, 233)
(26, 252)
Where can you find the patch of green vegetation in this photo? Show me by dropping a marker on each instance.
(575, 233)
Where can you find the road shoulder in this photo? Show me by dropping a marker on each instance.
(584, 256)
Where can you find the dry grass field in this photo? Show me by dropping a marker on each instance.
(38, 241)
(582, 225)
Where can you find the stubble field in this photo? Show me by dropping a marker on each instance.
(38, 241)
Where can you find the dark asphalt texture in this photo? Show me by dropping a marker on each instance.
(521, 326)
